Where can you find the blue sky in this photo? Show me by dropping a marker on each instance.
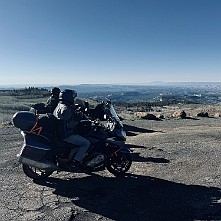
(109, 41)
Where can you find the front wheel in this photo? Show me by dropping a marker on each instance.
(118, 163)
(36, 173)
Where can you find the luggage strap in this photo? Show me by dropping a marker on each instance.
(35, 128)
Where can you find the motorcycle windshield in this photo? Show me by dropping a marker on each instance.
(114, 115)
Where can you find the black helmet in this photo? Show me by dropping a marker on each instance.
(55, 91)
(68, 96)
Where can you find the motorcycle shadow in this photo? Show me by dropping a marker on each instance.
(133, 131)
(137, 197)
(138, 158)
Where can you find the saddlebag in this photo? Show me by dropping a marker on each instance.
(36, 147)
(36, 150)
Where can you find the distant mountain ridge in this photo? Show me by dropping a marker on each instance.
(179, 92)
(98, 87)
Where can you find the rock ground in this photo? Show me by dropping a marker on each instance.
(175, 175)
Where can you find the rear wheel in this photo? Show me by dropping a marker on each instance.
(36, 173)
(118, 163)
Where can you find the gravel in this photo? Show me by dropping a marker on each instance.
(175, 175)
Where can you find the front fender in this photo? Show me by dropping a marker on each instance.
(115, 146)
(125, 150)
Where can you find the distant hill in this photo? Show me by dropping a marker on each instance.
(177, 92)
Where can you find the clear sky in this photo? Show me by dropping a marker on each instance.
(109, 41)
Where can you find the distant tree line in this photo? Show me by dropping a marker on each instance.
(27, 92)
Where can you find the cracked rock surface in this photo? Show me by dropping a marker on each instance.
(175, 175)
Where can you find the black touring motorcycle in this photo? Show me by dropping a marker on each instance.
(42, 151)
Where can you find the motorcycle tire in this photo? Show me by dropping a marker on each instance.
(35, 173)
(119, 163)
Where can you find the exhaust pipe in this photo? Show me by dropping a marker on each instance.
(40, 165)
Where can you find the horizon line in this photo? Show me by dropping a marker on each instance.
(149, 83)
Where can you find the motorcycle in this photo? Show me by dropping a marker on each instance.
(41, 154)
(102, 112)
(106, 113)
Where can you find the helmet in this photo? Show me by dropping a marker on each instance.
(55, 91)
(68, 96)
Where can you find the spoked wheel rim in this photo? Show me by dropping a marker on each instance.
(36, 173)
(119, 163)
